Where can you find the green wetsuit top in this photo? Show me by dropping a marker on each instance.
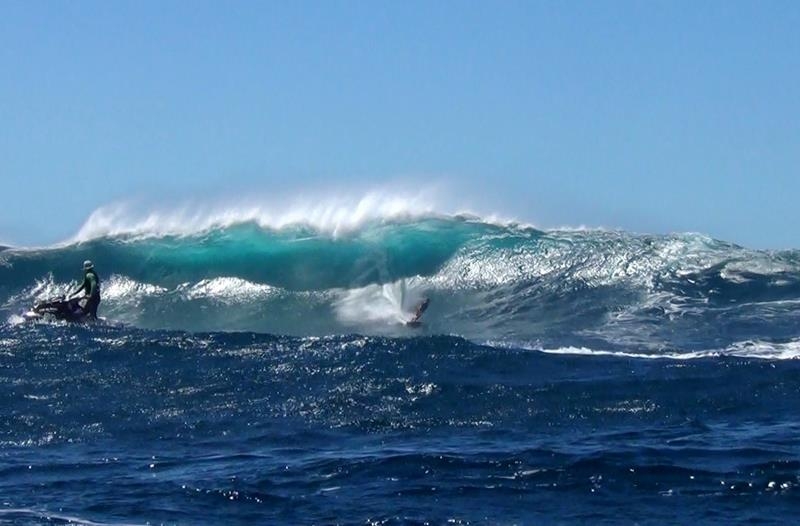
(91, 284)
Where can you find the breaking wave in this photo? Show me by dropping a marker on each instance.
(322, 272)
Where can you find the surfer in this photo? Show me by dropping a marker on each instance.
(91, 288)
(414, 322)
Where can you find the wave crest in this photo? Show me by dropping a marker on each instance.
(333, 216)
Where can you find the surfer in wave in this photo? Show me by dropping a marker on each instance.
(415, 321)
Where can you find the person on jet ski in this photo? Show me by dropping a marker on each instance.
(91, 288)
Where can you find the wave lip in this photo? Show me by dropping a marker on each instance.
(333, 216)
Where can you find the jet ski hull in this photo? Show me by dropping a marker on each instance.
(58, 309)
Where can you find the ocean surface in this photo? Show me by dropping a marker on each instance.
(255, 373)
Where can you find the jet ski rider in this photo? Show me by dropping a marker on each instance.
(91, 288)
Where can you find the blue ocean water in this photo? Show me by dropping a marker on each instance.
(248, 374)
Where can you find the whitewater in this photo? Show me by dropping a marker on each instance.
(255, 366)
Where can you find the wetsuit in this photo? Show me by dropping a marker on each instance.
(91, 286)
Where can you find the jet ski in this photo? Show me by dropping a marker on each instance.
(59, 308)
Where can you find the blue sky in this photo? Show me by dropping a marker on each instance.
(647, 116)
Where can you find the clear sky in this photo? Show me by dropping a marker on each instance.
(648, 116)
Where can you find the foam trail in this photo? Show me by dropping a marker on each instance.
(37, 516)
(747, 349)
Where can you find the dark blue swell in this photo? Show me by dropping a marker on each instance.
(115, 425)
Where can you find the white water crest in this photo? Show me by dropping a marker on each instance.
(227, 290)
(332, 214)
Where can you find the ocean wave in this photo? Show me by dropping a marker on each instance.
(564, 289)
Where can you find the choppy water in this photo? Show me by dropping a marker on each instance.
(250, 374)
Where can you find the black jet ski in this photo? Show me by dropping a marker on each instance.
(59, 308)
